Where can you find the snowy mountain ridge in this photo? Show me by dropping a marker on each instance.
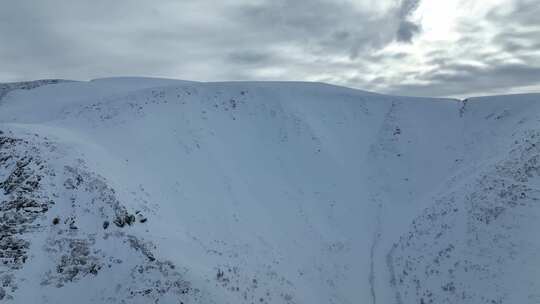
(137, 190)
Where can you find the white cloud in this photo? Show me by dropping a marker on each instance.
(402, 47)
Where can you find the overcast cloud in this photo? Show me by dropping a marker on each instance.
(408, 47)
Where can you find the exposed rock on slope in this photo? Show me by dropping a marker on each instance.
(67, 210)
(462, 245)
(5, 88)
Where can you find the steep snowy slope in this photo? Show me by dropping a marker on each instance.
(134, 190)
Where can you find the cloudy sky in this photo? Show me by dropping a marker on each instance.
(407, 47)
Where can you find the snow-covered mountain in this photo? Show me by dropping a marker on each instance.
(136, 190)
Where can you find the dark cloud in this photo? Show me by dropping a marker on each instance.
(461, 80)
(250, 57)
(408, 7)
(199, 40)
(74, 39)
(328, 27)
(488, 73)
(518, 40)
(523, 12)
(406, 31)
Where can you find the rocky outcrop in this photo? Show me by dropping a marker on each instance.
(5, 88)
(23, 204)
(472, 234)
(68, 208)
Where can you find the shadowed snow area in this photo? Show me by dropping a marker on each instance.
(137, 190)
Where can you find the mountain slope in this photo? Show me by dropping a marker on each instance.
(138, 190)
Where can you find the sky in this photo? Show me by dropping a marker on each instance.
(444, 48)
